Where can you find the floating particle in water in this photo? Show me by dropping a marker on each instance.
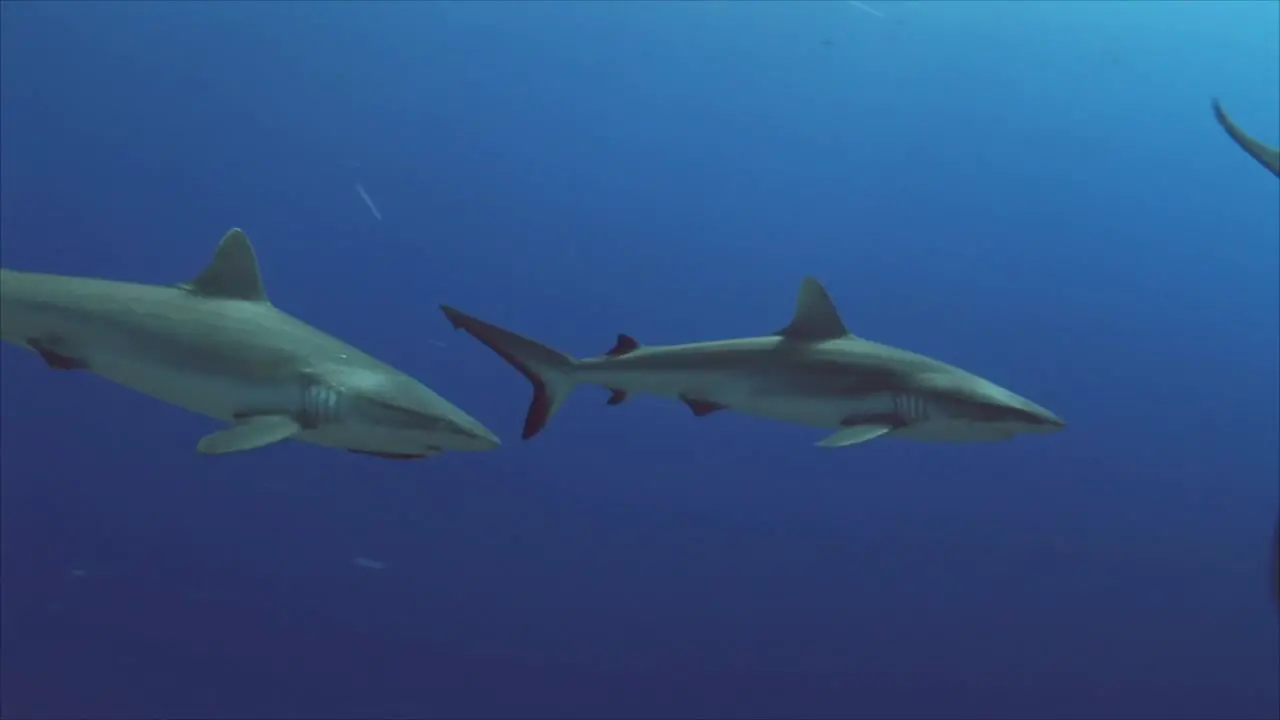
(864, 8)
(368, 564)
(369, 201)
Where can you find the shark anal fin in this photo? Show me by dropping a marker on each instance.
(854, 434)
(625, 344)
(54, 359)
(233, 273)
(816, 317)
(249, 433)
(616, 397)
(394, 456)
(701, 408)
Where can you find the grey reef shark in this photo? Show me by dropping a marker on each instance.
(811, 372)
(218, 347)
(1269, 158)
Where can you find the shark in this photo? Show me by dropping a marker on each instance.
(217, 346)
(1266, 155)
(812, 372)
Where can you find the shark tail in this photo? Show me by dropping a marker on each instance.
(547, 369)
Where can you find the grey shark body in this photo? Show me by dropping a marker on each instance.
(218, 347)
(1266, 155)
(812, 372)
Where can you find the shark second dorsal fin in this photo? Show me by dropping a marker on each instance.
(233, 273)
(816, 317)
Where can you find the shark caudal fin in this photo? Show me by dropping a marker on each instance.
(548, 370)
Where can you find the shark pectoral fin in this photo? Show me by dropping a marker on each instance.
(56, 354)
(249, 434)
(233, 273)
(816, 317)
(854, 435)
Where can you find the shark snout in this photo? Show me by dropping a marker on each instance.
(1040, 419)
(475, 436)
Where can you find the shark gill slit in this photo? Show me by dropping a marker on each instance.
(910, 408)
(319, 406)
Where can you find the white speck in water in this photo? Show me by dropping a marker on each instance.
(368, 201)
(860, 6)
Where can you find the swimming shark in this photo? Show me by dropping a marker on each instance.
(1268, 156)
(218, 347)
(812, 372)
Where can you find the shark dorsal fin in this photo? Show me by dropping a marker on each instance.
(816, 316)
(233, 273)
(626, 344)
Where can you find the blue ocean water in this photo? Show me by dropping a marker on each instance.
(1036, 192)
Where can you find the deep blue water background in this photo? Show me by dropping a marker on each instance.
(1036, 192)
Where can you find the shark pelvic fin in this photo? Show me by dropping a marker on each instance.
(816, 317)
(56, 355)
(854, 435)
(701, 408)
(233, 273)
(249, 433)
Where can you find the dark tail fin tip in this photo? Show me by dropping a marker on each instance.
(539, 412)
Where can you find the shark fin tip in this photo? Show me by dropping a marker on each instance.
(233, 273)
(816, 317)
(624, 345)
